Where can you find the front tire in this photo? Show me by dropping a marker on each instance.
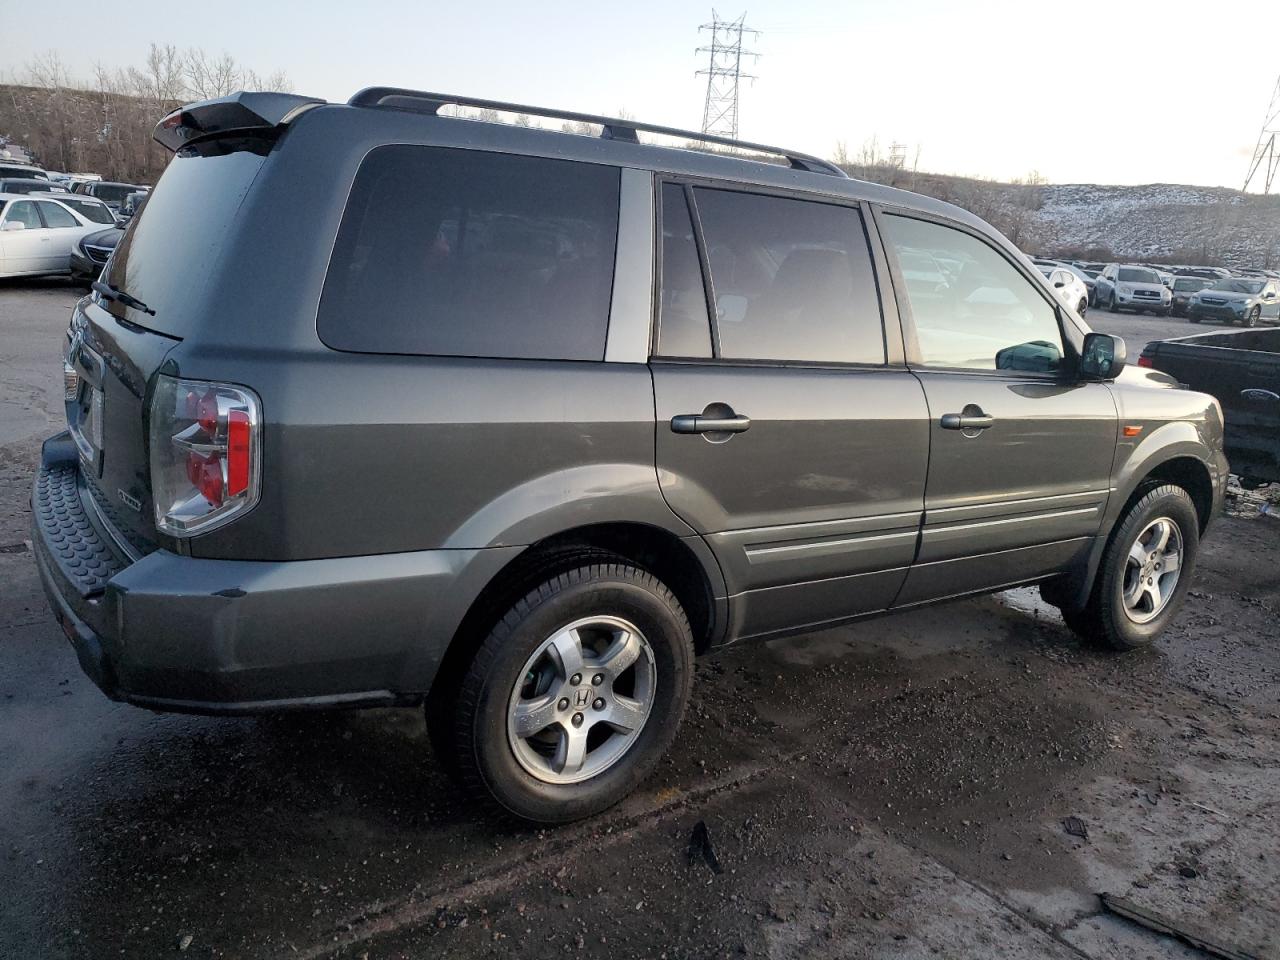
(1082, 307)
(1254, 316)
(574, 695)
(1148, 562)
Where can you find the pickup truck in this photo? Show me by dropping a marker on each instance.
(1242, 370)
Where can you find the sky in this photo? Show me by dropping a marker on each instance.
(1125, 92)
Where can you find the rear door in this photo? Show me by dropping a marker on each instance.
(789, 432)
(1021, 452)
(63, 230)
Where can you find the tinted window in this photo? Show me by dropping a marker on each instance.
(683, 328)
(55, 216)
(89, 209)
(167, 254)
(24, 211)
(111, 192)
(465, 253)
(971, 308)
(792, 279)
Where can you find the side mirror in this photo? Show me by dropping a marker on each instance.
(1103, 357)
(13, 225)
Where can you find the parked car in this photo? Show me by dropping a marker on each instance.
(29, 185)
(1241, 369)
(1130, 287)
(132, 203)
(91, 252)
(1209, 273)
(1070, 288)
(1183, 288)
(21, 171)
(110, 193)
(393, 408)
(1238, 300)
(37, 234)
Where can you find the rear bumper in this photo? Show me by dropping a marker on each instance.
(224, 636)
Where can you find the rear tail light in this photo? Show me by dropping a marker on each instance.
(206, 452)
(1145, 361)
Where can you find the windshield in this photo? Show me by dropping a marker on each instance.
(1238, 286)
(167, 253)
(89, 209)
(1189, 283)
(1137, 275)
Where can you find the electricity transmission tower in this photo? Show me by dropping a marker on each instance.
(724, 70)
(1266, 155)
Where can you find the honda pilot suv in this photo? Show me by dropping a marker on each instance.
(377, 406)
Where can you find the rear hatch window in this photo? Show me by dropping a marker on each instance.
(167, 254)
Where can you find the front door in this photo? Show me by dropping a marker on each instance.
(1021, 451)
(786, 434)
(24, 249)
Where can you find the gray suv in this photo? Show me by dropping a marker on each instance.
(374, 406)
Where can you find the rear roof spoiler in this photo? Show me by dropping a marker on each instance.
(238, 114)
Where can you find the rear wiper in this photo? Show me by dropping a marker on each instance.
(112, 293)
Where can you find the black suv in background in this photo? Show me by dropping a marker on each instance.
(513, 423)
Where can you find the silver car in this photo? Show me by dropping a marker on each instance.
(1130, 287)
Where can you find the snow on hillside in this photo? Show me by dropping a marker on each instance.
(1162, 220)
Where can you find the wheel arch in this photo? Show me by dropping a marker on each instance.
(1180, 463)
(685, 564)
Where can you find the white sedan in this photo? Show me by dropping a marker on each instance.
(1069, 288)
(39, 231)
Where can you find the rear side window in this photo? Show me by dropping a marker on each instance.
(449, 252)
(56, 216)
(792, 279)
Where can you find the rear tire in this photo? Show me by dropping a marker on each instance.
(1138, 588)
(530, 742)
(1082, 307)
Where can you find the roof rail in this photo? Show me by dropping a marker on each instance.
(420, 101)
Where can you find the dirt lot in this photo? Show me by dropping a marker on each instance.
(892, 789)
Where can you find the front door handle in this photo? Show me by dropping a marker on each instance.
(701, 423)
(966, 421)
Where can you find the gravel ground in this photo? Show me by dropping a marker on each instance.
(895, 789)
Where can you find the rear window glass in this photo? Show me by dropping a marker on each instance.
(167, 254)
(89, 209)
(452, 252)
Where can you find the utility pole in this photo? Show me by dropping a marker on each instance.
(1266, 155)
(723, 71)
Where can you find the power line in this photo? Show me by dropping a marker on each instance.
(723, 73)
(1266, 155)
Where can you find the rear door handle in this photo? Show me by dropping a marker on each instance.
(700, 423)
(966, 421)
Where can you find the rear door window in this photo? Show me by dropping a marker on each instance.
(451, 252)
(56, 216)
(684, 329)
(792, 279)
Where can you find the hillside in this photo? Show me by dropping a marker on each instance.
(1163, 222)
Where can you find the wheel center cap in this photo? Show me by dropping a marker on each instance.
(581, 697)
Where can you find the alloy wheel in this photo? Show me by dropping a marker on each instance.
(581, 700)
(1152, 570)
